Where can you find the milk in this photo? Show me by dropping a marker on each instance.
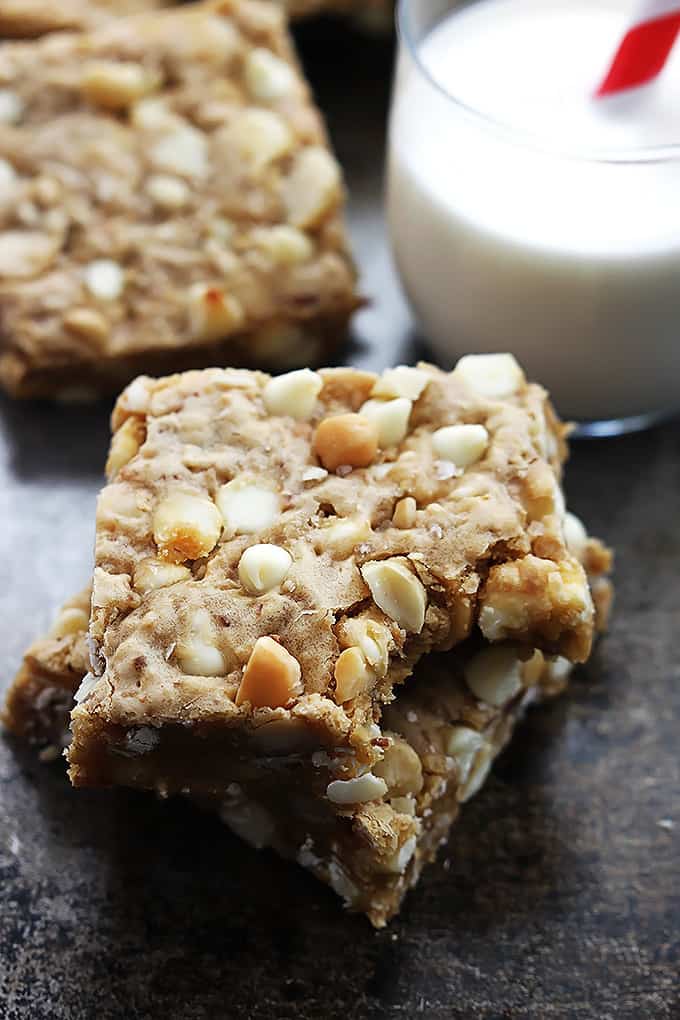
(518, 225)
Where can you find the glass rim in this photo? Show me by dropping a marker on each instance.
(664, 153)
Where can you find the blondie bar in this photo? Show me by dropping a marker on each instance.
(167, 199)
(276, 554)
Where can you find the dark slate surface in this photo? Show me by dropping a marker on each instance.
(557, 896)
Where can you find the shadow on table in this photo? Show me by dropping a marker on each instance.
(176, 916)
(46, 439)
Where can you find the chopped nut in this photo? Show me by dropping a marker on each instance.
(352, 675)
(463, 445)
(401, 769)
(404, 805)
(284, 736)
(480, 769)
(124, 445)
(346, 439)
(167, 192)
(212, 313)
(404, 515)
(151, 574)
(286, 245)
(259, 137)
(263, 567)
(104, 279)
(88, 323)
(272, 676)
(186, 526)
(135, 397)
(575, 536)
(312, 189)
(247, 507)
(11, 107)
(391, 418)
(345, 535)
(197, 653)
(25, 253)
(267, 76)
(356, 791)
(70, 621)
(397, 591)
(373, 638)
(494, 675)
(116, 85)
(293, 394)
(401, 381)
(182, 150)
(397, 863)
(491, 375)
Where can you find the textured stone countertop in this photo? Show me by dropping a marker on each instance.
(559, 893)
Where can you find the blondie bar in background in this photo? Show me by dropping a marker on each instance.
(168, 200)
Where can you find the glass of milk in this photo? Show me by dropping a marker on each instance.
(527, 216)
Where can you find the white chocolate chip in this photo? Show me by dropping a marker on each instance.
(404, 515)
(247, 507)
(263, 567)
(125, 444)
(491, 375)
(213, 314)
(463, 445)
(104, 279)
(183, 151)
(286, 245)
(87, 686)
(356, 791)
(151, 574)
(480, 769)
(398, 862)
(373, 639)
(116, 85)
(390, 417)
(397, 591)
(11, 107)
(8, 178)
(167, 192)
(401, 769)
(345, 535)
(314, 474)
(575, 535)
(26, 253)
(154, 115)
(463, 744)
(494, 675)
(352, 675)
(70, 621)
(267, 76)
(186, 526)
(197, 653)
(135, 397)
(312, 189)
(401, 381)
(258, 137)
(293, 394)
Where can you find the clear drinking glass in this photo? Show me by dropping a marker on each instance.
(513, 239)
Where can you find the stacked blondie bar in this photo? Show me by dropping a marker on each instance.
(320, 603)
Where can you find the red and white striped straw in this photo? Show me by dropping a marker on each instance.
(645, 48)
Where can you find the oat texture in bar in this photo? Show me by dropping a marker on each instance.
(283, 550)
(168, 199)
